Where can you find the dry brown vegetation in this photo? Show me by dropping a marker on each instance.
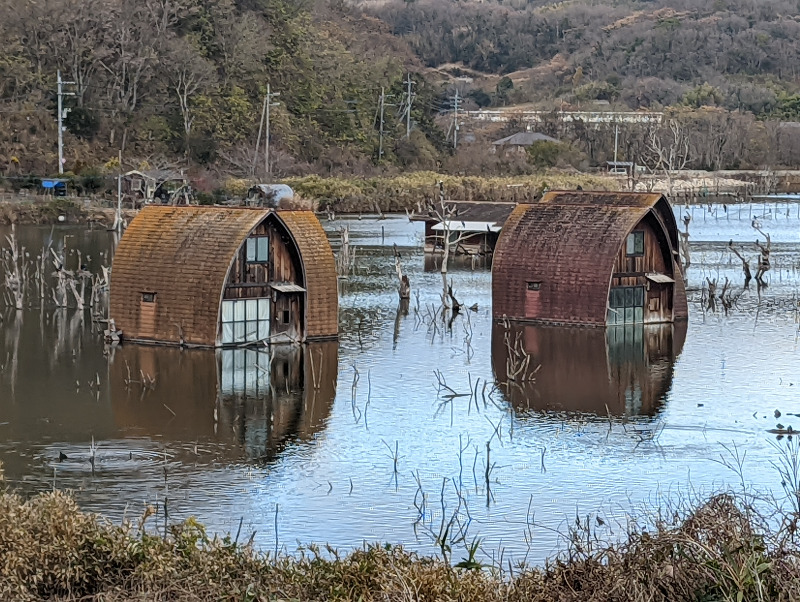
(46, 210)
(721, 550)
(410, 191)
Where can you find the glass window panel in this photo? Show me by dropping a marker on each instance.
(263, 309)
(616, 293)
(612, 316)
(262, 359)
(251, 331)
(634, 244)
(238, 332)
(227, 333)
(227, 311)
(639, 300)
(628, 315)
(638, 314)
(238, 311)
(251, 249)
(263, 330)
(628, 297)
(251, 309)
(238, 361)
(263, 248)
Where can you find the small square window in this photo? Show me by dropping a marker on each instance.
(257, 249)
(148, 297)
(534, 286)
(635, 244)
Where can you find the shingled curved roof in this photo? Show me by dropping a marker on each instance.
(184, 254)
(569, 239)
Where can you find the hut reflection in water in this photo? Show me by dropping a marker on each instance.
(259, 398)
(620, 370)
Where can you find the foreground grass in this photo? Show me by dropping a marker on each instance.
(49, 549)
(398, 193)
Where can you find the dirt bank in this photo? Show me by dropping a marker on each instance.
(22, 210)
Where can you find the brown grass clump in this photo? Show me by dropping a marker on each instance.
(49, 549)
(406, 191)
(297, 203)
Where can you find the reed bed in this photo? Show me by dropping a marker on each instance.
(410, 191)
(721, 549)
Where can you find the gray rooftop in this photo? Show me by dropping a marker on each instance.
(523, 139)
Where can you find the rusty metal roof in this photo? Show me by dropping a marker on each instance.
(496, 212)
(183, 254)
(319, 272)
(569, 239)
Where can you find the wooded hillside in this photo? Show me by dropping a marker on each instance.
(183, 82)
(740, 54)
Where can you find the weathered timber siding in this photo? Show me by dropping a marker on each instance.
(631, 271)
(283, 264)
(321, 306)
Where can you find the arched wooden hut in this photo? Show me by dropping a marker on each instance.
(215, 277)
(590, 258)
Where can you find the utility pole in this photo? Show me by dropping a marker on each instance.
(382, 106)
(616, 143)
(258, 139)
(61, 114)
(270, 104)
(409, 100)
(455, 120)
(118, 217)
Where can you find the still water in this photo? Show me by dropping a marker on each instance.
(403, 423)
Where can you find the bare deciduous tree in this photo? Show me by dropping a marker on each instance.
(404, 288)
(446, 215)
(668, 150)
(684, 242)
(15, 268)
(745, 264)
(188, 73)
(763, 258)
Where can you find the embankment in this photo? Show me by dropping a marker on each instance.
(27, 210)
(393, 194)
(396, 194)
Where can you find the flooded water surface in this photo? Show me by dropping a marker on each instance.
(410, 421)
